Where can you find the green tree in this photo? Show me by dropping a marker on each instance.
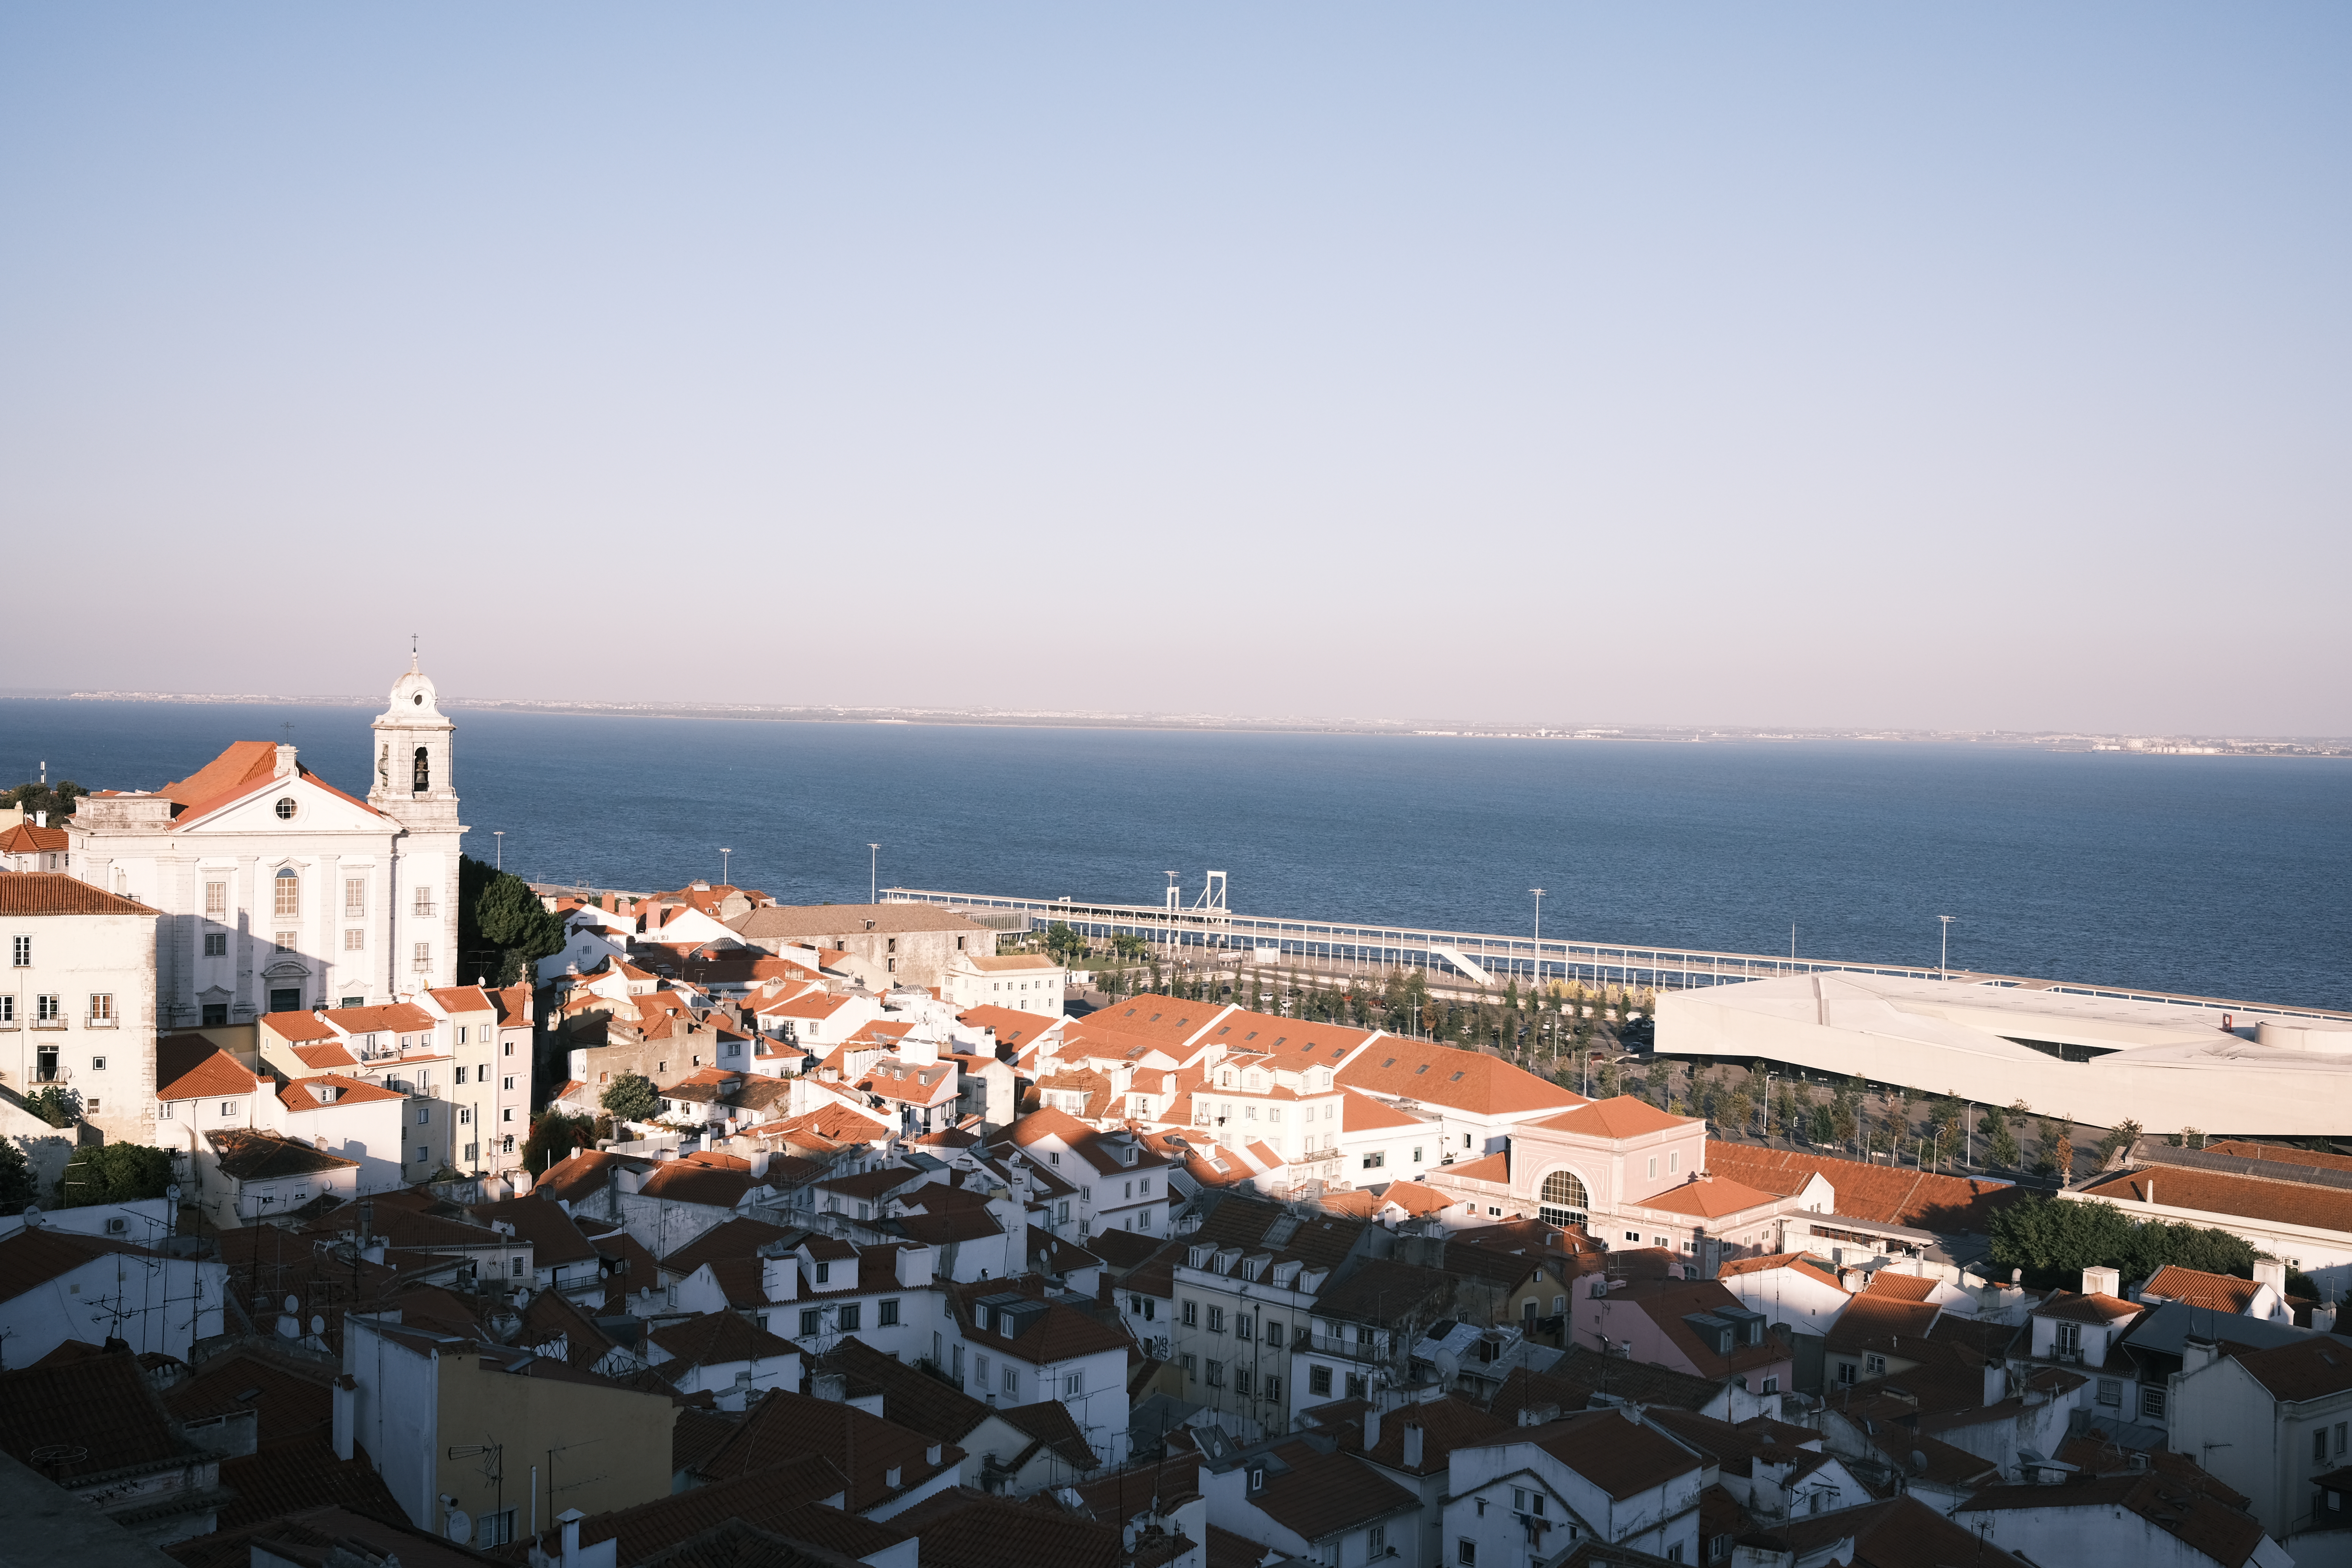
(553, 1136)
(17, 1183)
(52, 1105)
(2121, 1136)
(1739, 1113)
(1063, 943)
(1824, 1127)
(631, 1098)
(2000, 1138)
(113, 1173)
(502, 928)
(57, 799)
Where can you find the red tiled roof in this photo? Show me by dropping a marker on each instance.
(303, 1093)
(1495, 1167)
(1471, 1081)
(463, 999)
(1901, 1287)
(1623, 1117)
(190, 1066)
(2092, 1308)
(2219, 1192)
(31, 838)
(785, 1426)
(2302, 1369)
(1612, 1452)
(390, 1018)
(2216, 1292)
(1013, 1028)
(1708, 1198)
(1922, 1199)
(1362, 1113)
(325, 1057)
(246, 768)
(1801, 1263)
(298, 1027)
(1871, 1321)
(56, 893)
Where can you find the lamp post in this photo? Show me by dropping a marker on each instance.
(1944, 959)
(499, 843)
(873, 874)
(723, 854)
(1538, 892)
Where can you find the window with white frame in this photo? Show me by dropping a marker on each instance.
(217, 900)
(289, 882)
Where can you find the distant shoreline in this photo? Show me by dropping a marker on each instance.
(2048, 740)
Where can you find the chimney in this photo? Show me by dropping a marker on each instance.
(629, 1178)
(285, 764)
(1372, 1429)
(1413, 1449)
(40, 819)
(914, 1267)
(2109, 1281)
(894, 1477)
(347, 1399)
(832, 1385)
(2269, 1271)
(2323, 1318)
(780, 1277)
(933, 1455)
(759, 1164)
(569, 1519)
(2197, 1355)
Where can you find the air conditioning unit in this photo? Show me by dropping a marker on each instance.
(117, 1226)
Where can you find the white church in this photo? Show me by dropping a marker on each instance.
(281, 893)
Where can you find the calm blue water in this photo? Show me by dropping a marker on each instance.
(2215, 875)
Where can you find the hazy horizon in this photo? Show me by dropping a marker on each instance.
(1809, 366)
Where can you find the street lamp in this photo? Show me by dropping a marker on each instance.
(873, 874)
(498, 842)
(1943, 960)
(1538, 892)
(723, 854)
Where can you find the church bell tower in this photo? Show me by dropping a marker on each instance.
(413, 782)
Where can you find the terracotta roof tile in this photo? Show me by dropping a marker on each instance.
(1924, 1200)
(1621, 1117)
(2222, 1192)
(2216, 1292)
(329, 1090)
(1470, 1082)
(190, 1066)
(56, 893)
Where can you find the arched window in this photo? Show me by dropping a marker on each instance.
(1564, 1200)
(289, 891)
(424, 773)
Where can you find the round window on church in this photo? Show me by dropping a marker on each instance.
(419, 700)
(286, 808)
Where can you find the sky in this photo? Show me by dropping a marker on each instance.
(1957, 367)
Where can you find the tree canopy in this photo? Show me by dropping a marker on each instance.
(2052, 1238)
(56, 799)
(502, 928)
(631, 1098)
(113, 1173)
(18, 1184)
(553, 1136)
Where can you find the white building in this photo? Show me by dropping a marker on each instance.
(77, 999)
(56, 1285)
(280, 892)
(1026, 982)
(1606, 1475)
(2100, 1059)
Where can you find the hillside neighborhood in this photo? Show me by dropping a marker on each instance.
(372, 1206)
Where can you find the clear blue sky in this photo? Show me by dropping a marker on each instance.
(1963, 365)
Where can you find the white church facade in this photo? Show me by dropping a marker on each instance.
(278, 891)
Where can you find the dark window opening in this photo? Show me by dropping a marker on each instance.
(423, 772)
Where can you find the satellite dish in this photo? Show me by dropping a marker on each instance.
(1449, 1366)
(522, 1298)
(293, 1304)
(1918, 1461)
(317, 1324)
(171, 1195)
(459, 1525)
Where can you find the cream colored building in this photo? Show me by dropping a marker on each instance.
(280, 892)
(77, 999)
(1024, 981)
(884, 944)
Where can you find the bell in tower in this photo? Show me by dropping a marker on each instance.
(414, 783)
